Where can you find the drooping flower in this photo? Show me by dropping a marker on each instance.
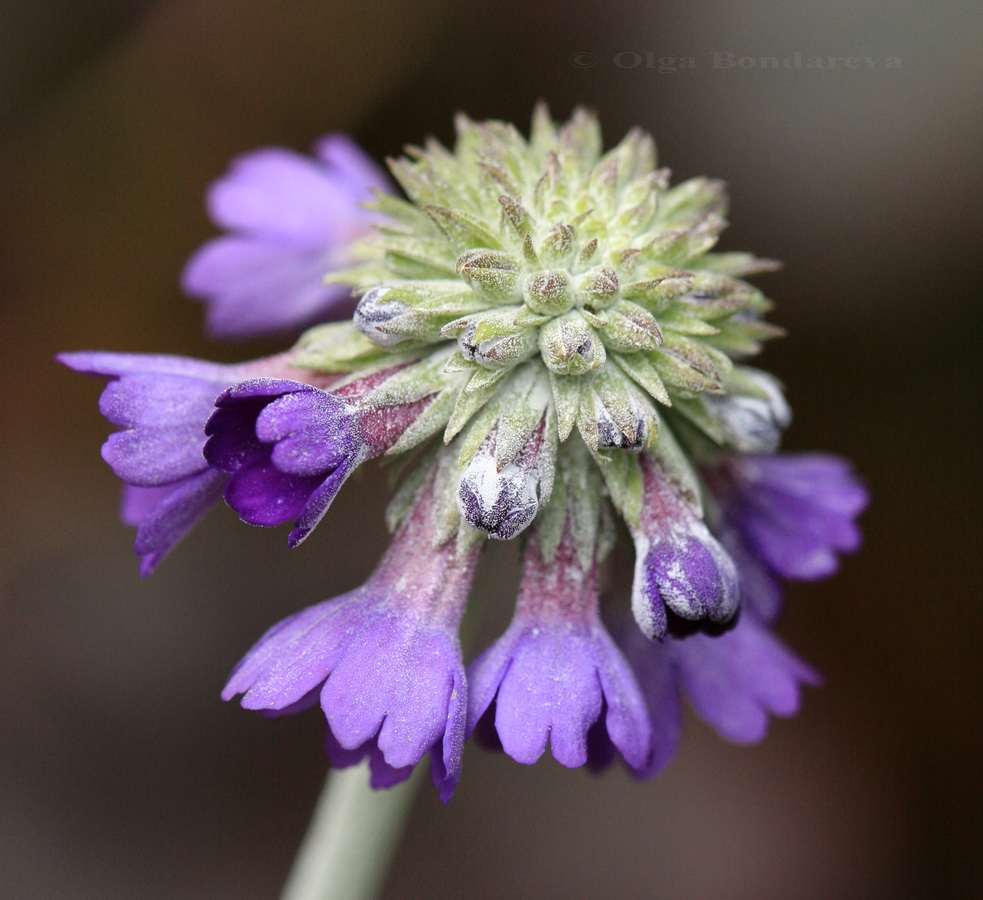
(384, 659)
(161, 404)
(785, 516)
(734, 682)
(293, 220)
(556, 675)
(288, 447)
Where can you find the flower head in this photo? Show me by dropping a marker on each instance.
(550, 326)
(293, 218)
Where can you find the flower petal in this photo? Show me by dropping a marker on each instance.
(255, 287)
(172, 517)
(735, 681)
(279, 193)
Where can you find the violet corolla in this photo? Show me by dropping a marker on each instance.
(162, 403)
(292, 219)
(556, 675)
(384, 660)
(549, 326)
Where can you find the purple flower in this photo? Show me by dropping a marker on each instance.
(734, 682)
(557, 676)
(680, 568)
(161, 404)
(288, 446)
(785, 516)
(384, 660)
(655, 673)
(292, 220)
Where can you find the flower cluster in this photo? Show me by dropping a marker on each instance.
(552, 322)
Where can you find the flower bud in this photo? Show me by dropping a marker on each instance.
(611, 437)
(491, 273)
(680, 568)
(558, 244)
(378, 319)
(600, 287)
(569, 346)
(501, 503)
(753, 423)
(493, 341)
(548, 292)
(614, 414)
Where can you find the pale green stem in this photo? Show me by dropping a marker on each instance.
(351, 839)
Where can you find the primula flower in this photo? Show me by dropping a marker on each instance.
(734, 682)
(549, 326)
(785, 516)
(161, 403)
(289, 448)
(384, 659)
(556, 674)
(293, 219)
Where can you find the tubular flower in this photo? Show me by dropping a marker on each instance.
(384, 659)
(549, 328)
(733, 681)
(162, 403)
(785, 516)
(288, 447)
(556, 674)
(681, 570)
(292, 219)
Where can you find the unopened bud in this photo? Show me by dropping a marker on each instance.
(495, 342)
(611, 437)
(570, 346)
(491, 273)
(548, 292)
(599, 287)
(378, 318)
(753, 424)
(501, 503)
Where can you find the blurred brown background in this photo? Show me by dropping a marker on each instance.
(121, 773)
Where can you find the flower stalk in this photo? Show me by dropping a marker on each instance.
(353, 835)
